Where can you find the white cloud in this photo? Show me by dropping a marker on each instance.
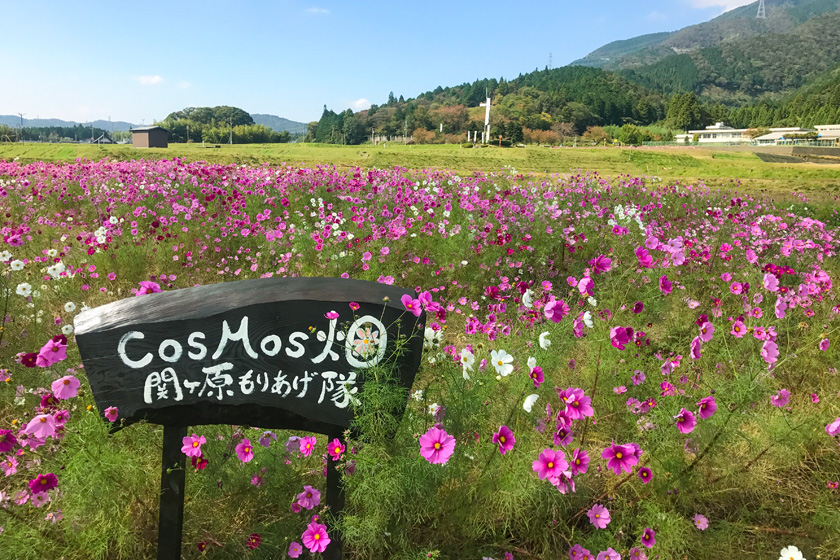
(360, 104)
(149, 80)
(317, 11)
(184, 84)
(725, 4)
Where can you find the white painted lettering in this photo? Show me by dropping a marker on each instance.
(136, 364)
(240, 335)
(193, 342)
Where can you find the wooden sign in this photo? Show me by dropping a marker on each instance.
(274, 353)
(287, 353)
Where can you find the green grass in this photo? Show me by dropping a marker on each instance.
(670, 163)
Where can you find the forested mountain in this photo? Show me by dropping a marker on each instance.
(279, 124)
(734, 58)
(14, 122)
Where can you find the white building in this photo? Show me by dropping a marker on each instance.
(828, 133)
(782, 135)
(718, 133)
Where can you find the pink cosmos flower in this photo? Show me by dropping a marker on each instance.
(43, 483)
(40, 499)
(824, 344)
(708, 406)
(555, 310)
(295, 550)
(436, 446)
(638, 307)
(599, 516)
(51, 353)
(645, 474)
(412, 305)
(192, 445)
(696, 348)
(770, 352)
(608, 554)
(701, 522)
(335, 448)
(315, 537)
(307, 444)
(309, 498)
(563, 435)
(779, 308)
(505, 439)
(111, 413)
(665, 285)
(550, 464)
(637, 553)
(620, 458)
(620, 336)
(65, 388)
(649, 537)
(537, 376)
(833, 428)
(738, 329)
(42, 426)
(685, 421)
(245, 451)
(580, 462)
(331, 315)
(9, 466)
(736, 288)
(586, 286)
(577, 552)
(147, 287)
(781, 398)
(771, 283)
(706, 331)
(8, 441)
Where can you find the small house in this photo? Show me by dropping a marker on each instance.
(150, 137)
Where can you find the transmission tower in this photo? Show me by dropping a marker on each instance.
(549, 61)
(762, 12)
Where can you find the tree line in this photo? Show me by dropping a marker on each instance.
(217, 125)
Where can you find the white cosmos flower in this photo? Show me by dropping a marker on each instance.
(113, 220)
(587, 319)
(592, 301)
(69, 307)
(528, 299)
(67, 330)
(791, 553)
(467, 361)
(16, 264)
(417, 395)
(433, 408)
(52, 253)
(532, 362)
(431, 338)
(5, 256)
(502, 362)
(544, 341)
(23, 289)
(529, 402)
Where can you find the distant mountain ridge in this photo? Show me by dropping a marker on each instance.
(279, 124)
(14, 121)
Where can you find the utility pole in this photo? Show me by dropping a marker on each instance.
(230, 140)
(188, 134)
(20, 139)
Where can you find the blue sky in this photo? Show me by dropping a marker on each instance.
(139, 61)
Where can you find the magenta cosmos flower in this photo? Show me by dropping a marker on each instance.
(577, 552)
(307, 444)
(696, 348)
(649, 537)
(578, 405)
(555, 310)
(192, 445)
(309, 498)
(665, 285)
(111, 413)
(537, 376)
(336, 448)
(600, 264)
(43, 483)
(770, 352)
(608, 554)
(645, 474)
(245, 451)
(708, 406)
(550, 464)
(253, 541)
(411, 305)
(685, 421)
(645, 260)
(147, 287)
(620, 336)
(504, 438)
(620, 458)
(8, 441)
(781, 398)
(580, 462)
(315, 537)
(436, 446)
(824, 344)
(738, 329)
(599, 516)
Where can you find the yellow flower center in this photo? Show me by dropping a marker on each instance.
(597, 516)
(338, 450)
(502, 439)
(43, 419)
(575, 404)
(437, 445)
(44, 481)
(67, 382)
(551, 465)
(618, 455)
(247, 450)
(318, 535)
(500, 362)
(577, 461)
(195, 444)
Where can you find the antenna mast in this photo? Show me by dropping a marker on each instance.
(549, 61)
(762, 11)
